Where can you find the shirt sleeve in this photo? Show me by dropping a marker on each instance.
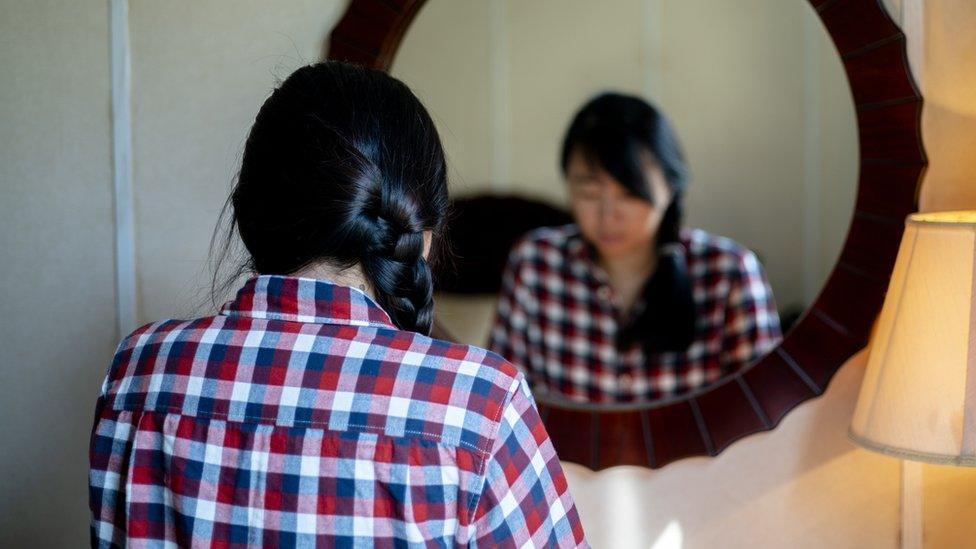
(509, 331)
(111, 444)
(751, 321)
(525, 500)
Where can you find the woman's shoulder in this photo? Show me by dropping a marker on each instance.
(474, 384)
(463, 359)
(160, 330)
(467, 386)
(719, 251)
(552, 243)
(558, 236)
(702, 242)
(151, 338)
(417, 349)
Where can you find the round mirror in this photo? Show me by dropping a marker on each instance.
(757, 101)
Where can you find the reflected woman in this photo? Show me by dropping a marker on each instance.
(625, 304)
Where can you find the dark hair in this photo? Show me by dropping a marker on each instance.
(343, 164)
(616, 131)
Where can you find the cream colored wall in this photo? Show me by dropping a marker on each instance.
(764, 111)
(836, 170)
(802, 485)
(735, 91)
(200, 71)
(949, 122)
(453, 82)
(56, 271)
(562, 53)
(949, 131)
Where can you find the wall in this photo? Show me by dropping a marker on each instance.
(455, 85)
(802, 485)
(56, 272)
(948, 65)
(200, 71)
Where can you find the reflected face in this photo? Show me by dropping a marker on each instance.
(616, 221)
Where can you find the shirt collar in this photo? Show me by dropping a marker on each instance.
(582, 250)
(307, 300)
(578, 247)
(583, 255)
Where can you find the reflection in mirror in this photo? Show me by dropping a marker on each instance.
(641, 244)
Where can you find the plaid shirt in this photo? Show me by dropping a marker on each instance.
(301, 416)
(557, 319)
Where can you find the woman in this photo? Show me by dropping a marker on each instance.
(625, 304)
(312, 410)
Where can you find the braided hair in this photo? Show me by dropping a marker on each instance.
(343, 164)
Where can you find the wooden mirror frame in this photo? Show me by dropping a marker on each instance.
(838, 323)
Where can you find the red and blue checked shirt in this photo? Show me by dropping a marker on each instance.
(300, 416)
(556, 318)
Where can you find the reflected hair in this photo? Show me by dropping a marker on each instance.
(615, 131)
(344, 165)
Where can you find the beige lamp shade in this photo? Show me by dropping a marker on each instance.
(918, 399)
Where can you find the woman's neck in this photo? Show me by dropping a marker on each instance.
(352, 276)
(638, 264)
(627, 275)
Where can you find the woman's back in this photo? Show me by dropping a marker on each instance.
(300, 415)
(309, 412)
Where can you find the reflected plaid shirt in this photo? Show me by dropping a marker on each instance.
(301, 416)
(556, 318)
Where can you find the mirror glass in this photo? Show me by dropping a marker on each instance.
(757, 98)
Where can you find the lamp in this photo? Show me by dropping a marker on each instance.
(918, 397)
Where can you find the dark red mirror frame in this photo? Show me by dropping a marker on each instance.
(836, 326)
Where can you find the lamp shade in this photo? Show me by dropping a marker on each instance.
(918, 398)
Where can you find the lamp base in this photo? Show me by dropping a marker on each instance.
(911, 505)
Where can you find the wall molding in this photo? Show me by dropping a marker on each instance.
(123, 196)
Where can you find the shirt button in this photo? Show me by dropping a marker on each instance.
(603, 292)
